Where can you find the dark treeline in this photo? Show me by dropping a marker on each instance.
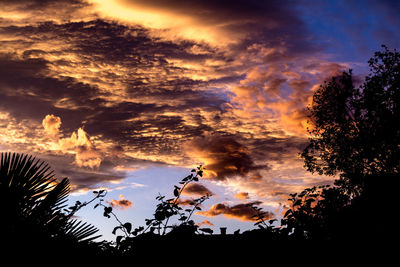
(354, 134)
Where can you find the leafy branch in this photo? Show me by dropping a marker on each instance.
(260, 217)
(79, 205)
(170, 207)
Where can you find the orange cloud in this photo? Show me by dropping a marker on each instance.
(52, 124)
(240, 212)
(78, 143)
(121, 203)
(205, 222)
(242, 195)
(85, 153)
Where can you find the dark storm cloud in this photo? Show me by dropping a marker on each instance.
(224, 157)
(275, 148)
(241, 212)
(197, 189)
(27, 93)
(82, 178)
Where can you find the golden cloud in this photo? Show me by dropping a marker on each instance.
(52, 124)
(78, 143)
(121, 203)
(242, 195)
(85, 154)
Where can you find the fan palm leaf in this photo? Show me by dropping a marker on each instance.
(35, 200)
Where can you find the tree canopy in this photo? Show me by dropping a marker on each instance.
(355, 131)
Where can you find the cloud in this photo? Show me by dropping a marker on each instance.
(223, 157)
(52, 124)
(204, 222)
(219, 23)
(240, 212)
(78, 143)
(85, 153)
(196, 189)
(121, 203)
(242, 195)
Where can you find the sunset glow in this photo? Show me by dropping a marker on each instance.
(119, 94)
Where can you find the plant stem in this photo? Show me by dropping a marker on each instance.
(173, 204)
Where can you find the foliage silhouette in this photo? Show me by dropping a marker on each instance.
(33, 216)
(157, 229)
(355, 133)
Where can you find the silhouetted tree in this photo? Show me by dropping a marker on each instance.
(355, 132)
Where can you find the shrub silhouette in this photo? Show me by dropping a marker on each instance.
(139, 241)
(32, 212)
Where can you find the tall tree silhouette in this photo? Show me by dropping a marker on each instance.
(32, 206)
(355, 132)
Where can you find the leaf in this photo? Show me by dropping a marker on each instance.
(115, 229)
(159, 216)
(128, 227)
(176, 192)
(287, 213)
(182, 218)
(108, 209)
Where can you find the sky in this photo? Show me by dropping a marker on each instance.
(130, 95)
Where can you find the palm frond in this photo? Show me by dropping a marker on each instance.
(35, 199)
(82, 232)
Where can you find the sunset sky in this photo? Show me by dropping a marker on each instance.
(130, 95)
